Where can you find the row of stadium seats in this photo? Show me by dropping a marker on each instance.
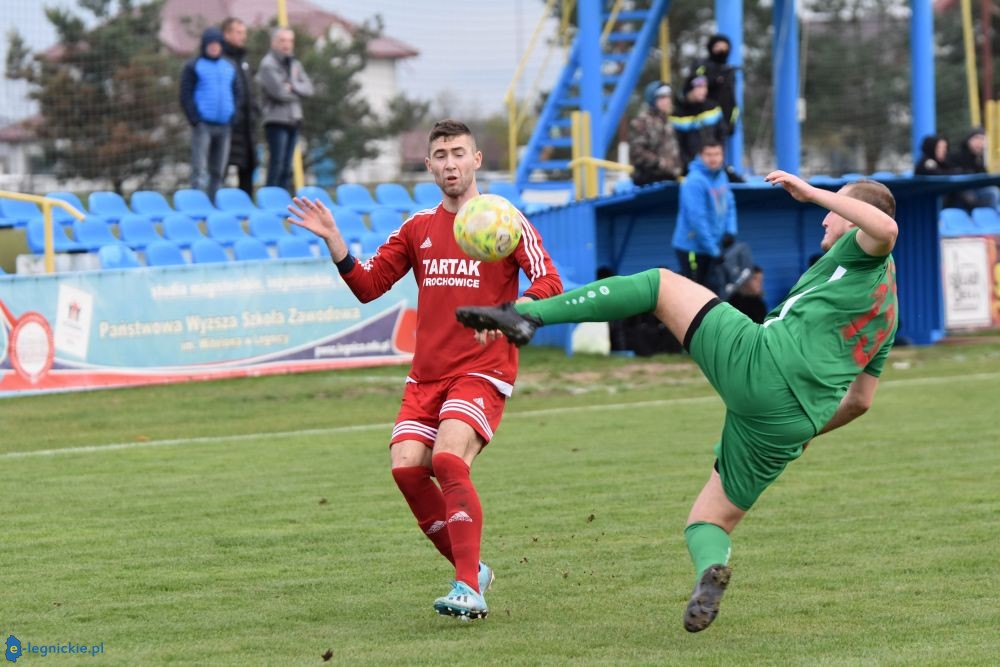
(112, 207)
(957, 222)
(138, 231)
(201, 251)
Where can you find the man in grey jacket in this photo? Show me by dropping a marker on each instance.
(283, 83)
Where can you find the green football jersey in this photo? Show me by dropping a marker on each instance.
(840, 319)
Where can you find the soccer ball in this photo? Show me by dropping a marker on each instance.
(488, 228)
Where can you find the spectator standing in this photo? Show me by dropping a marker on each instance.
(934, 157)
(284, 83)
(210, 93)
(971, 159)
(707, 212)
(243, 143)
(696, 119)
(653, 148)
(721, 78)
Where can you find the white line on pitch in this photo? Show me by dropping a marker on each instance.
(176, 442)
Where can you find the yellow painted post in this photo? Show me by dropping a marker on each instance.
(298, 171)
(50, 241)
(590, 173)
(970, 63)
(665, 51)
(575, 122)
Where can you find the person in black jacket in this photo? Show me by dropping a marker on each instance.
(970, 159)
(721, 78)
(243, 143)
(697, 119)
(934, 157)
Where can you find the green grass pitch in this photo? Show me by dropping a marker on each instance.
(255, 522)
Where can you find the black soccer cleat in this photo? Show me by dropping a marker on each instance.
(516, 327)
(704, 604)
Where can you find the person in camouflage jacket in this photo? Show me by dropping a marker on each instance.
(653, 147)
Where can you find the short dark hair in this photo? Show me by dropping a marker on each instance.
(874, 193)
(229, 22)
(710, 143)
(449, 128)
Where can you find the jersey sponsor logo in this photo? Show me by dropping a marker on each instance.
(426, 244)
(480, 402)
(451, 272)
(459, 516)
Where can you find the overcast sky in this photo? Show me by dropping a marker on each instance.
(468, 50)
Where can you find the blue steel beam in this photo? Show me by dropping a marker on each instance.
(729, 22)
(591, 85)
(922, 73)
(787, 134)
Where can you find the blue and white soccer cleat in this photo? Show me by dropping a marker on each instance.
(486, 577)
(462, 602)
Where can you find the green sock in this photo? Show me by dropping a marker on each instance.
(708, 545)
(610, 299)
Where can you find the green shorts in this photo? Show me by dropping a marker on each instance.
(765, 425)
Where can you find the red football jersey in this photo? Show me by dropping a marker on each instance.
(446, 279)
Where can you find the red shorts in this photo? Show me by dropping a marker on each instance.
(467, 398)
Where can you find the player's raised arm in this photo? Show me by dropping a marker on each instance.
(878, 230)
(317, 218)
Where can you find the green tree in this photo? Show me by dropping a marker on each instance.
(107, 95)
(339, 124)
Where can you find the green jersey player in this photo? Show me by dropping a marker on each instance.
(811, 367)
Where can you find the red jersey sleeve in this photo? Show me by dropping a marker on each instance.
(371, 279)
(536, 264)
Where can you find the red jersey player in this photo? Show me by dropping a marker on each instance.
(456, 390)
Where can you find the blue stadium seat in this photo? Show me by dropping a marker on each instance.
(35, 234)
(623, 185)
(267, 227)
(138, 231)
(249, 249)
(883, 175)
(851, 176)
(118, 256)
(110, 205)
(19, 212)
(355, 197)
(349, 222)
(207, 251)
(294, 247)
(182, 229)
(274, 200)
(151, 204)
(234, 200)
(955, 222)
(225, 227)
(509, 191)
(986, 220)
(385, 220)
(427, 195)
(395, 196)
(63, 217)
(164, 253)
(93, 233)
(194, 203)
(314, 192)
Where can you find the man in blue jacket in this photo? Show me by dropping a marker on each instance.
(707, 212)
(210, 92)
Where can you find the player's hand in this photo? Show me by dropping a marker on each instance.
(795, 186)
(312, 215)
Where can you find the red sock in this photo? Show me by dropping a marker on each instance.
(427, 504)
(465, 515)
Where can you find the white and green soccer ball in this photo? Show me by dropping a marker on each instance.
(488, 228)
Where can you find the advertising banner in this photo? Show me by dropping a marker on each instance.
(968, 282)
(140, 326)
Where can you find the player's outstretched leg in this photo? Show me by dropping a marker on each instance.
(610, 299)
(703, 606)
